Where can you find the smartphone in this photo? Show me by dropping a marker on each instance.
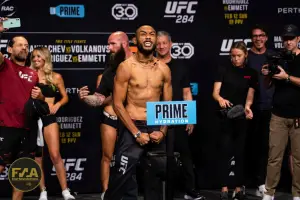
(12, 23)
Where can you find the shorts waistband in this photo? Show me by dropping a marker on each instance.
(110, 116)
(140, 122)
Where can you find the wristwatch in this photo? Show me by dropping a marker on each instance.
(288, 79)
(137, 135)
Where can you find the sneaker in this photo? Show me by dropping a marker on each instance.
(260, 191)
(67, 195)
(224, 196)
(43, 195)
(296, 198)
(238, 195)
(193, 195)
(102, 196)
(268, 197)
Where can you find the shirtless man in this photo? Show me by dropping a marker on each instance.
(118, 45)
(139, 79)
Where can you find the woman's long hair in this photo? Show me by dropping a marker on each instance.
(48, 67)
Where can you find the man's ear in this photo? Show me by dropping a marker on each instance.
(9, 49)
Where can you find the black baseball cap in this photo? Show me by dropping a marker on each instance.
(290, 31)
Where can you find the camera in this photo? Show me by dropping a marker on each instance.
(278, 58)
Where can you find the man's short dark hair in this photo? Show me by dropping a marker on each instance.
(260, 27)
(12, 41)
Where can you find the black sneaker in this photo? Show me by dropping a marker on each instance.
(193, 195)
(238, 196)
(224, 196)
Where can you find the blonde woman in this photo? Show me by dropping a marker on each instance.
(50, 82)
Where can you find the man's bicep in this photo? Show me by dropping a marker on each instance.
(121, 83)
(168, 86)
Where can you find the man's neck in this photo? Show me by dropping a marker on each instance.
(296, 51)
(144, 58)
(165, 59)
(258, 51)
(21, 63)
(128, 53)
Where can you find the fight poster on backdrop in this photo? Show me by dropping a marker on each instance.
(69, 51)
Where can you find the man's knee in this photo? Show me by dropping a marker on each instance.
(5, 159)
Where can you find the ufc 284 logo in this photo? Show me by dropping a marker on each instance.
(183, 11)
(74, 168)
(182, 50)
(124, 11)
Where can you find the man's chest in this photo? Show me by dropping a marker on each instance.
(27, 78)
(145, 78)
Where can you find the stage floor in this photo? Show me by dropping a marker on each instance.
(209, 194)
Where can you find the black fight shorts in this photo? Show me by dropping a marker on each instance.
(14, 144)
(38, 151)
(49, 119)
(110, 120)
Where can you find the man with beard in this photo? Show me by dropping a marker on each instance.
(262, 105)
(118, 45)
(140, 79)
(17, 84)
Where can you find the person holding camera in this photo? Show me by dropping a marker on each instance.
(285, 120)
(234, 87)
(258, 131)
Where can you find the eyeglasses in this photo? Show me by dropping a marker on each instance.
(257, 36)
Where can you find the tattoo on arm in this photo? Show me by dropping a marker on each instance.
(94, 100)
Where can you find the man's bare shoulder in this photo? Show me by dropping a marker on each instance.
(128, 61)
(163, 66)
(127, 64)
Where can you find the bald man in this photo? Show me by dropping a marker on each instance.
(118, 45)
(139, 79)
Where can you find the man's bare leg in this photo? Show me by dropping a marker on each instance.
(17, 194)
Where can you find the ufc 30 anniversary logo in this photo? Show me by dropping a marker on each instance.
(182, 11)
(182, 50)
(124, 11)
(4, 174)
(24, 174)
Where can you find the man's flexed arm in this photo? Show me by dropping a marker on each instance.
(167, 91)
(119, 95)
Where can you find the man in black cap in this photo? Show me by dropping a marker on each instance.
(285, 120)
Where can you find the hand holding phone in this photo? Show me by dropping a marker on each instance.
(12, 23)
(2, 29)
